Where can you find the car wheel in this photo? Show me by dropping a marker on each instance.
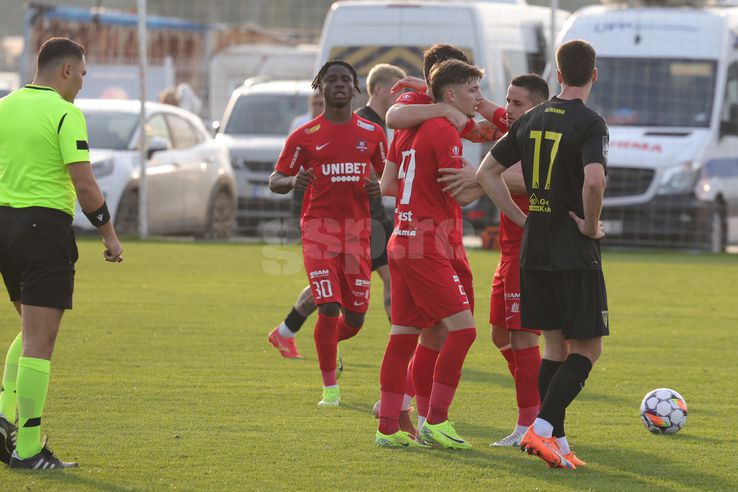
(126, 218)
(221, 214)
(718, 238)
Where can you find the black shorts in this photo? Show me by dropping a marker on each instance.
(381, 232)
(37, 256)
(573, 301)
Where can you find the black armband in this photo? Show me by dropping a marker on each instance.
(99, 217)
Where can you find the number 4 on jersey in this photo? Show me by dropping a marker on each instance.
(407, 173)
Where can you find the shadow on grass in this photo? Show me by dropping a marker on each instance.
(68, 480)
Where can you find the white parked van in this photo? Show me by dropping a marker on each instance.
(506, 38)
(668, 88)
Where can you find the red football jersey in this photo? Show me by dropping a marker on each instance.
(420, 97)
(499, 119)
(335, 209)
(510, 233)
(428, 220)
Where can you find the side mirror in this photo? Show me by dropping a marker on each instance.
(157, 144)
(730, 127)
(214, 127)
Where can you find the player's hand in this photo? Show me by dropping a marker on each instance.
(371, 185)
(113, 250)
(598, 234)
(455, 117)
(303, 179)
(458, 180)
(408, 82)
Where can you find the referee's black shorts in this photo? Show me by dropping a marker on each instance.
(573, 301)
(37, 256)
(381, 232)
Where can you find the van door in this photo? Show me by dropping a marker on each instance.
(725, 164)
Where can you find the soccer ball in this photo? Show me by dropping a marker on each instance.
(663, 411)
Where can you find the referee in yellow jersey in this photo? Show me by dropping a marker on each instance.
(44, 168)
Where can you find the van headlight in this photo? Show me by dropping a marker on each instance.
(103, 168)
(681, 178)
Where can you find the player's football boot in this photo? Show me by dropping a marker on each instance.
(331, 397)
(286, 346)
(339, 363)
(406, 423)
(45, 460)
(513, 440)
(443, 435)
(8, 438)
(399, 439)
(572, 458)
(546, 448)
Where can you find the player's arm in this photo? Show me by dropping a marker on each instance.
(401, 116)
(288, 173)
(388, 183)
(409, 82)
(513, 178)
(458, 181)
(490, 178)
(92, 202)
(492, 127)
(594, 159)
(75, 152)
(593, 192)
(489, 110)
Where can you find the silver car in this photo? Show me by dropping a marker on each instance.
(191, 185)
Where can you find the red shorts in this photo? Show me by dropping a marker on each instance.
(426, 290)
(345, 279)
(504, 306)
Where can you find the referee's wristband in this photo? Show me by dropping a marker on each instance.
(99, 217)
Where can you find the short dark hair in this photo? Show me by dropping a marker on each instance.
(576, 61)
(534, 84)
(452, 72)
(57, 49)
(321, 73)
(439, 53)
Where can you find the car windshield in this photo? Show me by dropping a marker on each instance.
(265, 114)
(654, 92)
(110, 129)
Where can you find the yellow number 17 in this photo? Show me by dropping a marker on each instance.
(538, 137)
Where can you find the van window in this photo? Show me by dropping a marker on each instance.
(654, 92)
(729, 115)
(265, 114)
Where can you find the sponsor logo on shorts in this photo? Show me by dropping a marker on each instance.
(365, 125)
(319, 273)
(360, 282)
(515, 308)
(359, 293)
(512, 295)
(357, 304)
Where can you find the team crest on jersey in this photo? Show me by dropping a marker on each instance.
(455, 151)
(361, 145)
(365, 125)
(312, 129)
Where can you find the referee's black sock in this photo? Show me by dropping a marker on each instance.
(294, 321)
(564, 387)
(545, 375)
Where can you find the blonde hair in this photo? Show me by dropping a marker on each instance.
(382, 73)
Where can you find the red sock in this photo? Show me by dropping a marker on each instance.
(527, 362)
(409, 386)
(424, 363)
(392, 379)
(448, 372)
(326, 343)
(346, 331)
(509, 356)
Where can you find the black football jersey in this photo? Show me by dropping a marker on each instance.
(554, 141)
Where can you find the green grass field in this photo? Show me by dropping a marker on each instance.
(163, 379)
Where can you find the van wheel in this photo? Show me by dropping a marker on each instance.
(126, 218)
(718, 239)
(221, 215)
